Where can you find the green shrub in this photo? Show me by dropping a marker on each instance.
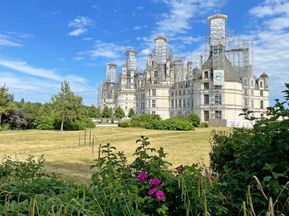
(258, 158)
(194, 118)
(204, 124)
(46, 123)
(124, 124)
(4, 127)
(143, 119)
(77, 124)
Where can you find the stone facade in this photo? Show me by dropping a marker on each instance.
(170, 86)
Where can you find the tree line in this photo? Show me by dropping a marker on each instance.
(65, 111)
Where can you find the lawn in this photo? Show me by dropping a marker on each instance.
(65, 156)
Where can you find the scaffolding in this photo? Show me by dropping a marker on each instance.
(240, 54)
(111, 73)
(218, 41)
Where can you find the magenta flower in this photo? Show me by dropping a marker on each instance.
(142, 176)
(212, 177)
(155, 182)
(160, 195)
(152, 191)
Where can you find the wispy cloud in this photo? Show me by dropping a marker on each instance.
(38, 84)
(105, 49)
(5, 40)
(23, 67)
(139, 27)
(181, 13)
(79, 25)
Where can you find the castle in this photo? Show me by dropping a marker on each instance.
(219, 88)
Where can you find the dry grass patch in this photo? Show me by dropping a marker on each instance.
(64, 155)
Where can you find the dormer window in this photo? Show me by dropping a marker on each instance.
(206, 74)
(261, 84)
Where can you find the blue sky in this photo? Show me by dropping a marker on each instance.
(44, 42)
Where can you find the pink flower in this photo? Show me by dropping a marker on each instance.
(142, 176)
(212, 177)
(155, 182)
(152, 191)
(160, 195)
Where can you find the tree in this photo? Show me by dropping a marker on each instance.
(6, 102)
(131, 112)
(66, 105)
(119, 113)
(93, 112)
(106, 113)
(18, 119)
(194, 118)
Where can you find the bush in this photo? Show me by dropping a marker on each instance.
(124, 124)
(143, 119)
(258, 158)
(170, 124)
(152, 121)
(78, 124)
(4, 127)
(204, 124)
(194, 118)
(46, 123)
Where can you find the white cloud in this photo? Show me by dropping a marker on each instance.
(7, 41)
(105, 49)
(271, 51)
(77, 32)
(181, 13)
(145, 51)
(23, 67)
(79, 25)
(38, 85)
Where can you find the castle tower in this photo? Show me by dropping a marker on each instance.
(111, 73)
(131, 59)
(161, 50)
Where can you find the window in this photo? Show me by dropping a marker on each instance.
(206, 99)
(153, 112)
(184, 103)
(184, 92)
(261, 93)
(261, 84)
(262, 104)
(206, 85)
(172, 103)
(218, 114)
(206, 115)
(172, 93)
(246, 103)
(180, 92)
(149, 103)
(217, 86)
(154, 92)
(218, 99)
(153, 103)
(206, 74)
(180, 103)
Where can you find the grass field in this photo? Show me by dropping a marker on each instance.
(64, 155)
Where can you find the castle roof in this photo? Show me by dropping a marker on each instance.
(264, 75)
(230, 75)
